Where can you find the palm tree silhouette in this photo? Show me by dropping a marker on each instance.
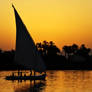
(83, 51)
(67, 50)
(74, 48)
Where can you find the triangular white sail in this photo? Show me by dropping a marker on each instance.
(26, 53)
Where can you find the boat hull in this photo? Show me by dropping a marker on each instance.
(40, 77)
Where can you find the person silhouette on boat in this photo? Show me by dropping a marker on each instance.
(24, 74)
(13, 74)
(30, 72)
(20, 74)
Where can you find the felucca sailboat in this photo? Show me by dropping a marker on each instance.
(26, 53)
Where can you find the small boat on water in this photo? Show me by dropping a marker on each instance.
(26, 53)
(32, 77)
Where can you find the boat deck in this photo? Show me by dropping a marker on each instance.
(39, 77)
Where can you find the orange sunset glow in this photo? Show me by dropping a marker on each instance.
(62, 21)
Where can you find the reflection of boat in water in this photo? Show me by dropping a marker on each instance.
(26, 53)
(35, 87)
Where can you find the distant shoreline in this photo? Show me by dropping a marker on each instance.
(71, 57)
(53, 68)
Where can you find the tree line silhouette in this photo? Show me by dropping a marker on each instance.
(71, 57)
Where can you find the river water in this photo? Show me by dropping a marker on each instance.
(56, 81)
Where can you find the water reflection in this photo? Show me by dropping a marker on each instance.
(56, 81)
(79, 81)
(69, 81)
(30, 87)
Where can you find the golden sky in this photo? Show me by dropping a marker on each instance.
(63, 21)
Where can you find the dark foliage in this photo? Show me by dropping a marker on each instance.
(75, 57)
